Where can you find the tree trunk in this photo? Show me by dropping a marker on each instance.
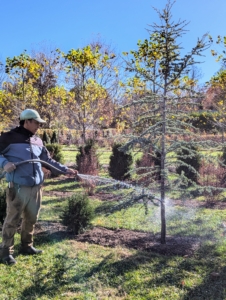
(163, 155)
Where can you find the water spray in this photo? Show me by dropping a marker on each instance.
(113, 182)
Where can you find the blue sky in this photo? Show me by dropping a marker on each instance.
(27, 24)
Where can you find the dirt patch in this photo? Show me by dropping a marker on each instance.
(63, 194)
(142, 241)
(47, 227)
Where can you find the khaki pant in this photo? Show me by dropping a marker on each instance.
(21, 201)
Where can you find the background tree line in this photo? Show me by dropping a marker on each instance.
(92, 87)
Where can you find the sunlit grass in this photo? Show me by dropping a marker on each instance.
(69, 156)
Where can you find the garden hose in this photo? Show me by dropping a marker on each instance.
(30, 161)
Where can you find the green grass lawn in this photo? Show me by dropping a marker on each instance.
(69, 269)
(69, 154)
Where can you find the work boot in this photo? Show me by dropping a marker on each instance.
(6, 258)
(9, 260)
(30, 250)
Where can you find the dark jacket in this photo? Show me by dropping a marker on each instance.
(20, 144)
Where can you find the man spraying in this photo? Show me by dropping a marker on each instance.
(24, 191)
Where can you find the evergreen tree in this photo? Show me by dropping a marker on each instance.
(120, 163)
(87, 159)
(78, 213)
(166, 104)
(45, 138)
(55, 151)
(54, 139)
(148, 167)
(189, 163)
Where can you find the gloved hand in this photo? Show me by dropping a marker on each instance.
(9, 167)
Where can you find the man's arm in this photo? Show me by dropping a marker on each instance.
(62, 168)
(4, 163)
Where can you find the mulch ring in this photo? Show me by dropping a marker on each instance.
(142, 241)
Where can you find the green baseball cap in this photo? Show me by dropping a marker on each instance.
(31, 114)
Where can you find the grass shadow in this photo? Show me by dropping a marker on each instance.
(40, 286)
(163, 273)
(44, 238)
(213, 283)
(104, 208)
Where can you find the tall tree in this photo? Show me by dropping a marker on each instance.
(215, 99)
(160, 64)
(33, 83)
(17, 90)
(18, 68)
(51, 96)
(92, 75)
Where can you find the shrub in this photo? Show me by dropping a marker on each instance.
(87, 159)
(2, 205)
(54, 139)
(120, 163)
(45, 138)
(149, 167)
(212, 174)
(204, 120)
(55, 151)
(212, 178)
(78, 213)
(189, 162)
